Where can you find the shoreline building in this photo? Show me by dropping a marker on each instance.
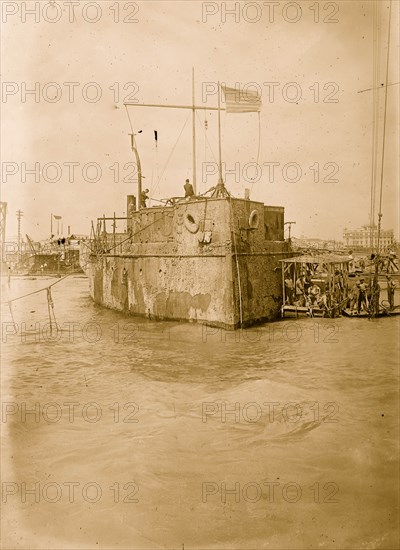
(317, 244)
(367, 237)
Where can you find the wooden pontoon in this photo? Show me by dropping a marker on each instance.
(323, 271)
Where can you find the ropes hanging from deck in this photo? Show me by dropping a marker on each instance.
(50, 308)
(170, 156)
(50, 303)
(35, 291)
(237, 265)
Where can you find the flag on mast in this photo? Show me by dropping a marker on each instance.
(57, 217)
(241, 101)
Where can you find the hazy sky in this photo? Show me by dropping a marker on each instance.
(328, 129)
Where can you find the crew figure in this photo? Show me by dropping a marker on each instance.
(300, 290)
(352, 296)
(338, 285)
(289, 287)
(362, 295)
(189, 192)
(392, 262)
(351, 262)
(307, 281)
(391, 287)
(322, 301)
(143, 198)
(314, 294)
(375, 296)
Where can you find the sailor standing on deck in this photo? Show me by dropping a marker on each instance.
(314, 293)
(338, 285)
(307, 281)
(300, 290)
(143, 198)
(289, 287)
(362, 295)
(189, 192)
(391, 287)
(375, 295)
(352, 296)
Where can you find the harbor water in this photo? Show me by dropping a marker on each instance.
(127, 433)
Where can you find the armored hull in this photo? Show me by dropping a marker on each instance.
(210, 260)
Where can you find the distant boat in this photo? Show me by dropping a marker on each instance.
(53, 256)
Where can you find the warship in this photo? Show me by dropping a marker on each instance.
(210, 258)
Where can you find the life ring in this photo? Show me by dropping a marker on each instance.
(254, 219)
(190, 223)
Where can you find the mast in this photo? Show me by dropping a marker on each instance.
(193, 108)
(220, 180)
(384, 133)
(375, 309)
(375, 115)
(194, 133)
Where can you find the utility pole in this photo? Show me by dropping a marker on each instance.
(19, 216)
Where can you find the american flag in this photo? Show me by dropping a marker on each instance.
(241, 101)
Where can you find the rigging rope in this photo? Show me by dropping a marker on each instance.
(11, 312)
(206, 142)
(50, 308)
(172, 152)
(206, 138)
(237, 265)
(129, 118)
(375, 110)
(133, 234)
(35, 291)
(258, 148)
(384, 129)
(50, 303)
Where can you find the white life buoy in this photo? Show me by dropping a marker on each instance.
(254, 219)
(190, 223)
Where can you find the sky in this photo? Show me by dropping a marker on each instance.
(309, 150)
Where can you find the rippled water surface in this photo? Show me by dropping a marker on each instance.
(144, 430)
